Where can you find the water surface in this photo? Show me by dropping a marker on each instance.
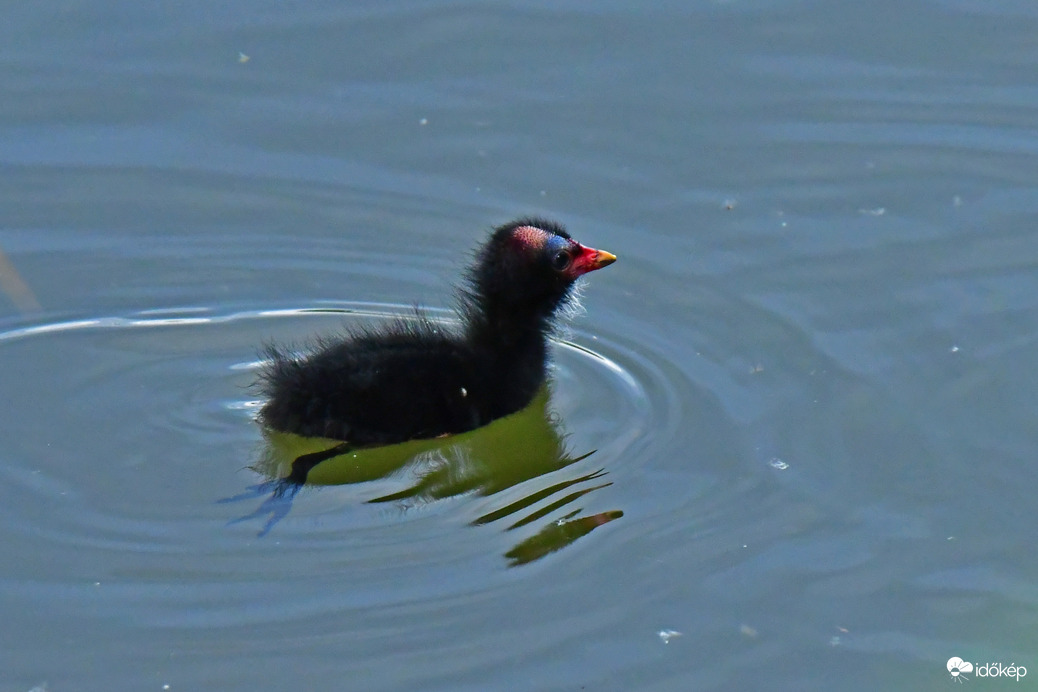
(808, 383)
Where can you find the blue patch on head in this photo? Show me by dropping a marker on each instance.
(556, 243)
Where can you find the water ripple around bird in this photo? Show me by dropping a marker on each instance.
(171, 453)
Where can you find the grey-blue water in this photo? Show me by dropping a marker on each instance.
(808, 385)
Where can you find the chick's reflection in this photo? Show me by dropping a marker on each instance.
(515, 450)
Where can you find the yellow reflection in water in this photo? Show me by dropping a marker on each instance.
(498, 456)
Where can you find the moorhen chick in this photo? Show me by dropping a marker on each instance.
(415, 379)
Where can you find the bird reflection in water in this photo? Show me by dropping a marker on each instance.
(510, 451)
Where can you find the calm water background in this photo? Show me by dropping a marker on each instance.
(817, 410)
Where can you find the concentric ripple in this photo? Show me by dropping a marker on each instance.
(156, 425)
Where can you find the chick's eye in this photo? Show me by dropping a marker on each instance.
(560, 261)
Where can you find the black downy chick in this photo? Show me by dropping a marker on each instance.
(418, 379)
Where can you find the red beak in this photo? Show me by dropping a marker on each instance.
(591, 259)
